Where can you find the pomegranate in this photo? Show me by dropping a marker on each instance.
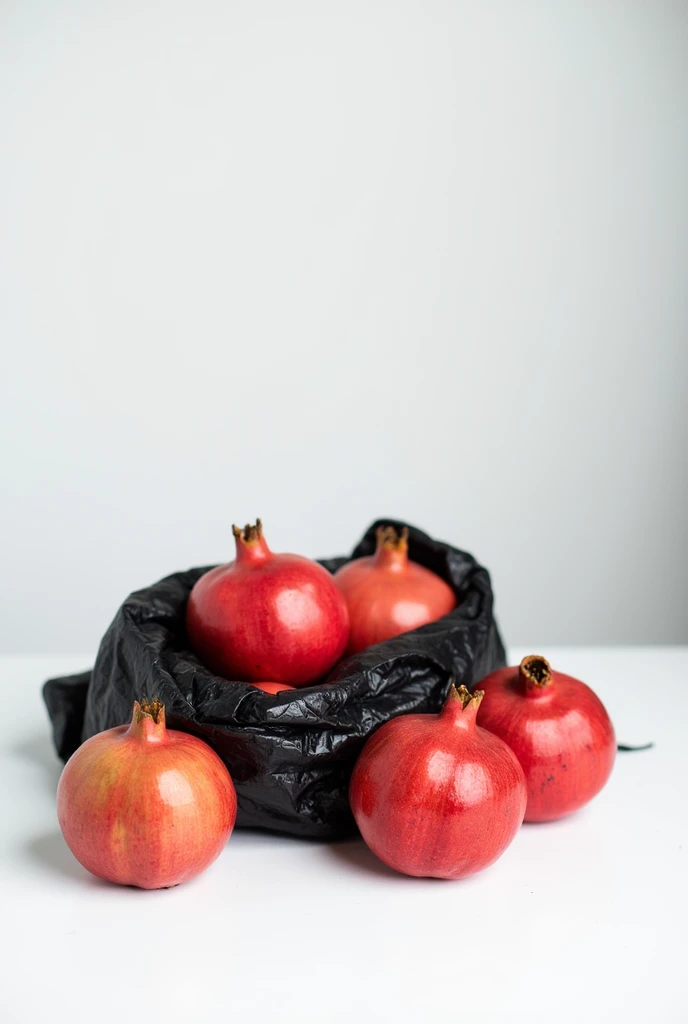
(145, 805)
(272, 687)
(558, 729)
(436, 795)
(267, 616)
(388, 594)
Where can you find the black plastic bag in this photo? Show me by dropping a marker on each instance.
(290, 755)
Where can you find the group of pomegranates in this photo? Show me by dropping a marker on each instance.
(282, 621)
(433, 795)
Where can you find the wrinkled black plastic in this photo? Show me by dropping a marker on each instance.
(290, 755)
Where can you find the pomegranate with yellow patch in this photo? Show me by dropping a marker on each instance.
(145, 805)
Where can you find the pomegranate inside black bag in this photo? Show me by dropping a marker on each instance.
(290, 754)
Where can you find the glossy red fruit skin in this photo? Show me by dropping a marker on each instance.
(144, 805)
(272, 687)
(436, 796)
(388, 594)
(267, 616)
(559, 731)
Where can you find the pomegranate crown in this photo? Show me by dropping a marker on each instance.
(536, 671)
(250, 534)
(391, 538)
(154, 709)
(464, 695)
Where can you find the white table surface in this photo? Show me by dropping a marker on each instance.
(582, 920)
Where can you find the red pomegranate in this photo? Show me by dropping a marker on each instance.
(435, 795)
(558, 729)
(267, 616)
(145, 805)
(388, 594)
(272, 687)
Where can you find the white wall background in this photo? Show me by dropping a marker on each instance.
(322, 262)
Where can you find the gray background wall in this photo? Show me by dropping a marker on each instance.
(322, 262)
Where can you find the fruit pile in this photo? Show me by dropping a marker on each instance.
(438, 795)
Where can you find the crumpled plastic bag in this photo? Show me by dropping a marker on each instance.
(291, 754)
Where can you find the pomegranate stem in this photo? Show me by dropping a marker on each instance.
(148, 721)
(391, 551)
(536, 671)
(461, 702)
